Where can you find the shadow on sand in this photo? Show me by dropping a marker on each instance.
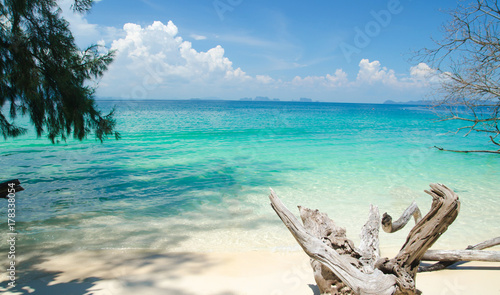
(108, 273)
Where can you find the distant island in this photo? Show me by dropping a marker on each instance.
(411, 102)
(265, 98)
(259, 98)
(268, 99)
(262, 98)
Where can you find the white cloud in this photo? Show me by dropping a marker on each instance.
(84, 32)
(154, 60)
(338, 79)
(264, 79)
(424, 75)
(309, 81)
(198, 37)
(372, 72)
(370, 75)
(421, 71)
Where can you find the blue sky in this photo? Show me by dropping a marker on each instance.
(343, 51)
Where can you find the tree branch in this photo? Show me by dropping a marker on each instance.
(466, 152)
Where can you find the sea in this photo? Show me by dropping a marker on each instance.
(195, 176)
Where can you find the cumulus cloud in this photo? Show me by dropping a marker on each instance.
(373, 72)
(154, 59)
(422, 74)
(370, 74)
(156, 62)
(421, 71)
(264, 79)
(373, 83)
(338, 79)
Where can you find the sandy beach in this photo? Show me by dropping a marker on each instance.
(108, 272)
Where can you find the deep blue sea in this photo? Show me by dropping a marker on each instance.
(195, 175)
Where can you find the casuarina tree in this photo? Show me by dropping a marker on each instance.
(45, 76)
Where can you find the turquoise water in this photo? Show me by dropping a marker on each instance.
(195, 175)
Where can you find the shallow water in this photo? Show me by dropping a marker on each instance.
(195, 175)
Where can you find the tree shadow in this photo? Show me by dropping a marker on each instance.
(30, 280)
(108, 273)
(40, 287)
(315, 289)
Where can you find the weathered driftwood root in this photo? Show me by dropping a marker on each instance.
(361, 269)
(360, 282)
(320, 226)
(446, 258)
(390, 227)
(445, 262)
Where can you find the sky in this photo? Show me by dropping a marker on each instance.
(326, 50)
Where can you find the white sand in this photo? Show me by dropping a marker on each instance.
(109, 272)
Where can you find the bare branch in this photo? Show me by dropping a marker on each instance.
(494, 141)
(471, 151)
(490, 14)
(467, 61)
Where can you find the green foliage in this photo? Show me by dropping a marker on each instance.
(44, 75)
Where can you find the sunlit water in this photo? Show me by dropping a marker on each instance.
(195, 176)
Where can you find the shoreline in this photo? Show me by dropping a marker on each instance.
(107, 272)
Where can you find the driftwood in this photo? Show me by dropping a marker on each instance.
(360, 282)
(462, 255)
(321, 227)
(341, 268)
(446, 258)
(390, 227)
(444, 263)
